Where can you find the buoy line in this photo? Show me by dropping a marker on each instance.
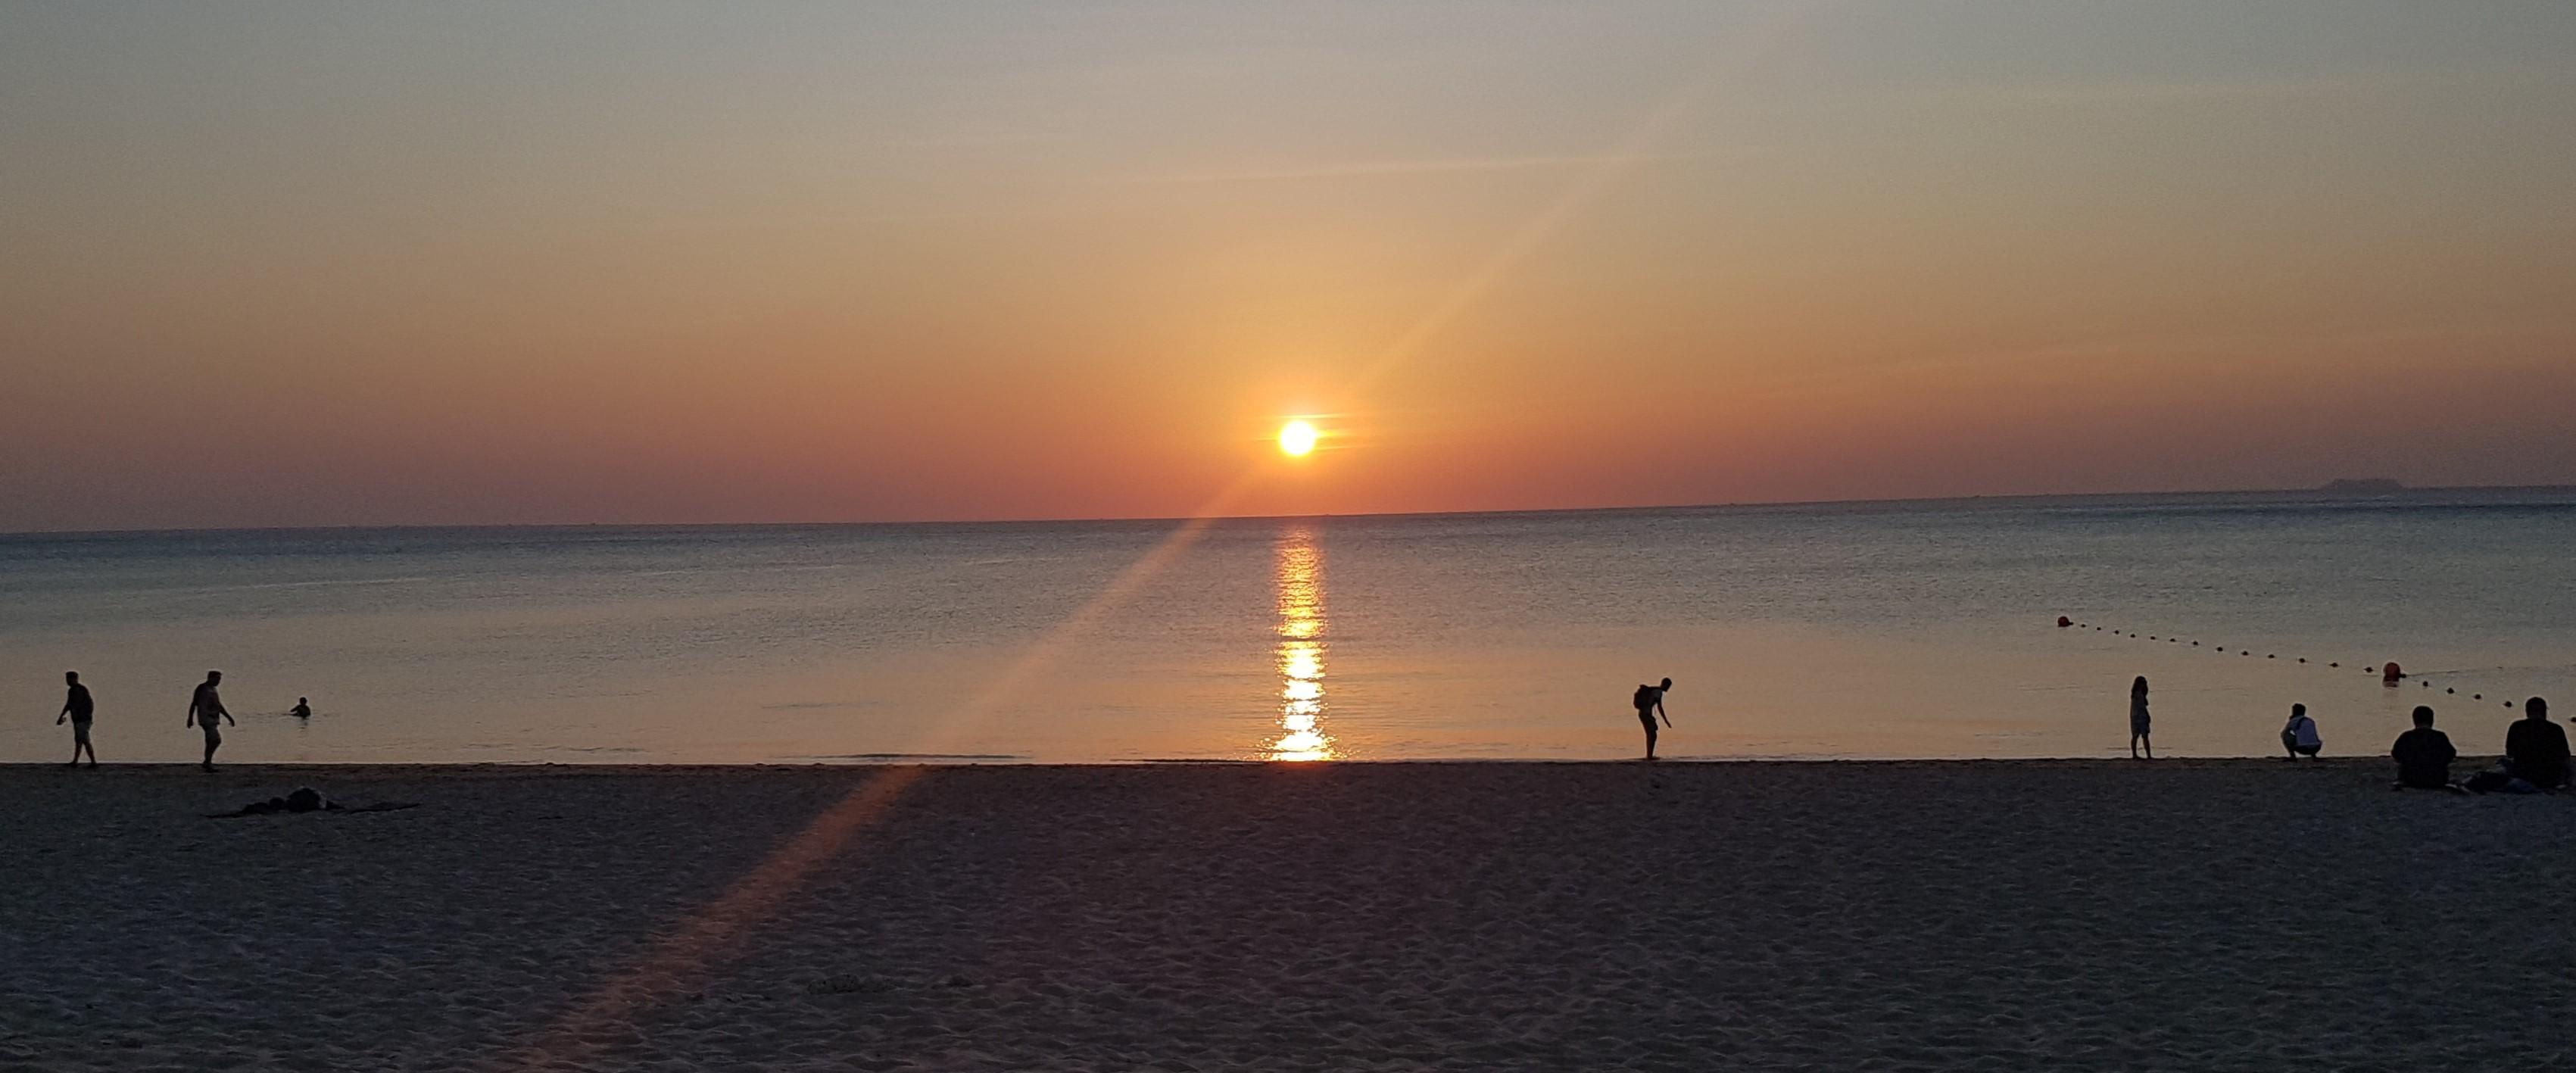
(2390, 674)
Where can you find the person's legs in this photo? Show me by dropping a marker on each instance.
(1648, 719)
(2290, 744)
(2149, 743)
(80, 744)
(213, 738)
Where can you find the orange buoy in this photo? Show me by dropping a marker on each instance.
(2064, 622)
(2390, 674)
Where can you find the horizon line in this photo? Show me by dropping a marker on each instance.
(1178, 519)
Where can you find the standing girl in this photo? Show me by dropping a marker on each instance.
(2138, 719)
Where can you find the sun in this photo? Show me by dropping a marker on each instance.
(1297, 438)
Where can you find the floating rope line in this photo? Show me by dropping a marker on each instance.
(2390, 674)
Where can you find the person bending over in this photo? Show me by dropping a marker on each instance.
(2423, 755)
(1650, 703)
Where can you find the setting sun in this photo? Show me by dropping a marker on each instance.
(1297, 437)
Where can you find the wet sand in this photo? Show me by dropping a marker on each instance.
(1952, 915)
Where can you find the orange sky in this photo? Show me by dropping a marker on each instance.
(296, 264)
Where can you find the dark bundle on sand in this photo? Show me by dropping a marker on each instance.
(305, 799)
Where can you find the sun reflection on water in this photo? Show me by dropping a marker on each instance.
(1301, 651)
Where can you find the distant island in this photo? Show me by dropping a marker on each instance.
(2370, 486)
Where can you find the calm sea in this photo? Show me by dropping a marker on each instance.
(1864, 630)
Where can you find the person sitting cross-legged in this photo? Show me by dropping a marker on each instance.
(2535, 749)
(2423, 755)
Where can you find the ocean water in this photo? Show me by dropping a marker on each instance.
(1921, 629)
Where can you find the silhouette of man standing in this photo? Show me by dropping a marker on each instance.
(78, 708)
(203, 709)
(1650, 703)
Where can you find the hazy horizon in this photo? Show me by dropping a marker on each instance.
(1607, 508)
(286, 264)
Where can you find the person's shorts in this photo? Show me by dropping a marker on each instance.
(80, 730)
(1646, 716)
(2136, 728)
(214, 734)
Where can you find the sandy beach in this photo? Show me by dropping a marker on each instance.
(1994, 915)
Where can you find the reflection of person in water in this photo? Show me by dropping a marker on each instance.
(303, 709)
(1650, 703)
(203, 709)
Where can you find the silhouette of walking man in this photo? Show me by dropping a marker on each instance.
(78, 708)
(203, 709)
(1650, 703)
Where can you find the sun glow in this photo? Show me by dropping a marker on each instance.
(1302, 735)
(1297, 437)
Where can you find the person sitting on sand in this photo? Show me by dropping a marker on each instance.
(2535, 749)
(2423, 755)
(1650, 703)
(2300, 735)
(79, 709)
(203, 709)
(303, 709)
(2138, 721)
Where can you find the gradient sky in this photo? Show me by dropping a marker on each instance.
(347, 263)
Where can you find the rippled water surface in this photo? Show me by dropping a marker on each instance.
(1912, 629)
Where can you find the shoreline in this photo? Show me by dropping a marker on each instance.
(489, 769)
